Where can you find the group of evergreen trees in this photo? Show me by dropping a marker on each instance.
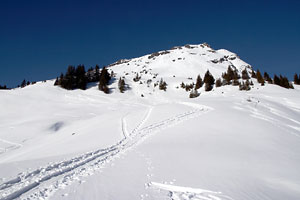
(162, 85)
(245, 85)
(232, 76)
(74, 78)
(77, 78)
(282, 81)
(208, 82)
(24, 83)
(4, 87)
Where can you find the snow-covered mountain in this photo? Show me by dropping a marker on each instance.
(180, 64)
(152, 144)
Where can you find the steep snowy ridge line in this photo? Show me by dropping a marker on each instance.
(83, 165)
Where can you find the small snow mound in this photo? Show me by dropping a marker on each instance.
(187, 193)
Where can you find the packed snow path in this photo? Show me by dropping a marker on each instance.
(44, 181)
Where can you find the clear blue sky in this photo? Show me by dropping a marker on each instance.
(39, 39)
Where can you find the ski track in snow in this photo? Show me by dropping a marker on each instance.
(144, 120)
(11, 146)
(124, 127)
(187, 193)
(272, 119)
(268, 112)
(44, 181)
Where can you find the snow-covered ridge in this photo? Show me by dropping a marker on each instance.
(180, 64)
(184, 61)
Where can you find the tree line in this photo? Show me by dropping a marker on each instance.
(232, 77)
(78, 78)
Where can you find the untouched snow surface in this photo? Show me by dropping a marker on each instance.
(226, 144)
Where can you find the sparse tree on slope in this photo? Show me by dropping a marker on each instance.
(209, 81)
(104, 80)
(137, 78)
(162, 85)
(199, 82)
(121, 85)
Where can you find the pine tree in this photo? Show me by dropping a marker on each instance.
(121, 85)
(97, 74)
(218, 82)
(267, 78)
(81, 79)
(245, 85)
(68, 82)
(235, 78)
(182, 85)
(162, 85)
(23, 84)
(56, 81)
(137, 78)
(199, 82)
(296, 79)
(260, 79)
(209, 81)
(245, 74)
(284, 82)
(230, 75)
(112, 74)
(104, 80)
(276, 80)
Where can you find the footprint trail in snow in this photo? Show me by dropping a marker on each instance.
(44, 181)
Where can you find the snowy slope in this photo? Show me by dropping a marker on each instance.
(225, 144)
